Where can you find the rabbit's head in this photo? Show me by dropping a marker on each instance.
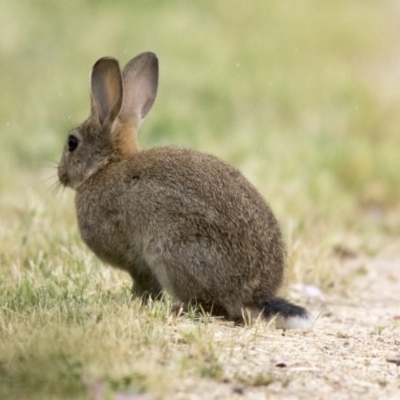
(119, 102)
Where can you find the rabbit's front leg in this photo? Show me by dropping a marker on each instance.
(145, 284)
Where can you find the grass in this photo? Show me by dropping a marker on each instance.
(302, 97)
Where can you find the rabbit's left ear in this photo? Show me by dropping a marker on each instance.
(140, 80)
(106, 88)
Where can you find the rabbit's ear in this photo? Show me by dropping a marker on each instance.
(106, 87)
(140, 78)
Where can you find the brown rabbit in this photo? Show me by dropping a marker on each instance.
(175, 219)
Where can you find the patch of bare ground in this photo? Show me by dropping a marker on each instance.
(352, 352)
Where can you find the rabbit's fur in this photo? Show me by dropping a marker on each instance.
(175, 219)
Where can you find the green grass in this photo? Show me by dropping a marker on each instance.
(298, 95)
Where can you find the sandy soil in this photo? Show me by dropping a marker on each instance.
(350, 353)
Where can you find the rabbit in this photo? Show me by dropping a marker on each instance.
(175, 219)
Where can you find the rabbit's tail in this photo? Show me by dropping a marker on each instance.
(288, 315)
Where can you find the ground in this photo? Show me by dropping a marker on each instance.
(70, 330)
(350, 353)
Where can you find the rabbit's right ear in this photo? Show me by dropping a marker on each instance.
(140, 78)
(106, 88)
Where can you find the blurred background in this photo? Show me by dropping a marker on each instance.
(303, 97)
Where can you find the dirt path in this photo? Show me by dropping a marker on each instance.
(345, 356)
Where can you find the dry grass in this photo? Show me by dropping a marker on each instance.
(301, 98)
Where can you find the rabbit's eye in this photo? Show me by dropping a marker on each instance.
(72, 142)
